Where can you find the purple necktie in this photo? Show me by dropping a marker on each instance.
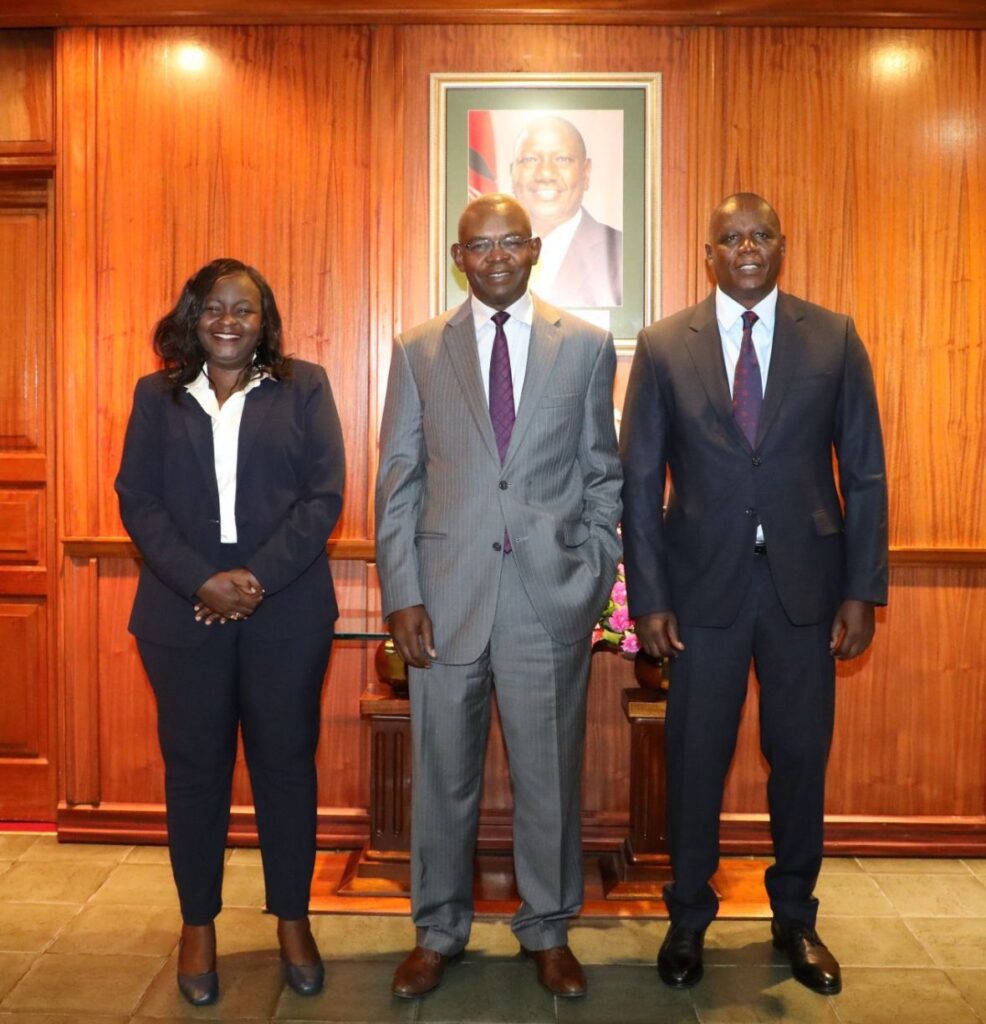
(501, 387)
(747, 385)
(502, 411)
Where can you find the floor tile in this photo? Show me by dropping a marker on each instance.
(738, 943)
(840, 866)
(243, 886)
(872, 942)
(249, 986)
(738, 995)
(853, 895)
(13, 844)
(105, 928)
(148, 855)
(972, 985)
(52, 883)
(874, 995)
(596, 941)
(358, 993)
(493, 992)
(349, 937)
(955, 942)
(627, 995)
(150, 885)
(246, 930)
(30, 927)
(83, 983)
(976, 865)
(13, 967)
(914, 866)
(935, 895)
(48, 848)
(245, 856)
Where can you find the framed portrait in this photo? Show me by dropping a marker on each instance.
(582, 154)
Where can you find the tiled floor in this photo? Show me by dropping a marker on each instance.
(88, 934)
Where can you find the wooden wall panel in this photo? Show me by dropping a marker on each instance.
(22, 526)
(305, 151)
(24, 276)
(251, 143)
(26, 76)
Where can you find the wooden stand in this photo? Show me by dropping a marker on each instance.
(383, 866)
(639, 870)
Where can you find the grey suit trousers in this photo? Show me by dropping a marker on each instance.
(541, 694)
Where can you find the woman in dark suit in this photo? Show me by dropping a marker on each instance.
(230, 484)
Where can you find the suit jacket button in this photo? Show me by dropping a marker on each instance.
(503, 485)
(750, 511)
(497, 546)
(756, 460)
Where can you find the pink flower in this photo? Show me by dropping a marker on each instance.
(630, 644)
(619, 595)
(620, 619)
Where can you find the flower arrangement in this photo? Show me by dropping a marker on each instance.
(615, 626)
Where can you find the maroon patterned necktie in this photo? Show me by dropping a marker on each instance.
(502, 411)
(501, 387)
(747, 383)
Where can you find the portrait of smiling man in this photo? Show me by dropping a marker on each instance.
(496, 507)
(581, 262)
(760, 556)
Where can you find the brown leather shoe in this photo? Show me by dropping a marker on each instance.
(420, 973)
(558, 970)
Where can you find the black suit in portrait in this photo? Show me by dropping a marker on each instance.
(698, 560)
(264, 673)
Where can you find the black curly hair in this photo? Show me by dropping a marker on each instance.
(176, 338)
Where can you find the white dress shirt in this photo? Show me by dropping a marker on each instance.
(729, 315)
(518, 332)
(225, 443)
(554, 249)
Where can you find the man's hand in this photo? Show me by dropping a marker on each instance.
(413, 635)
(658, 634)
(233, 594)
(852, 629)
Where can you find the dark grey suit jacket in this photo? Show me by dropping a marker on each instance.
(289, 479)
(696, 560)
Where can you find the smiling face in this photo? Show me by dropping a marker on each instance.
(230, 326)
(550, 172)
(497, 278)
(745, 248)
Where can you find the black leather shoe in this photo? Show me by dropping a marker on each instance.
(811, 962)
(679, 963)
(305, 979)
(199, 989)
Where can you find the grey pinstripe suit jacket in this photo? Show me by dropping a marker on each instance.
(443, 499)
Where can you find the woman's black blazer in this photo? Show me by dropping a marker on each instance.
(289, 480)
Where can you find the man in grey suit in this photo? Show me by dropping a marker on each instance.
(497, 504)
(743, 399)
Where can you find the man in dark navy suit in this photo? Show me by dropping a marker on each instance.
(742, 399)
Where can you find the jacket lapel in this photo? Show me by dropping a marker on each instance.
(545, 345)
(785, 355)
(199, 426)
(256, 409)
(460, 343)
(705, 347)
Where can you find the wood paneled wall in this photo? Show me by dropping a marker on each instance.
(304, 150)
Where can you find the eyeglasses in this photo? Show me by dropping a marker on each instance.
(484, 246)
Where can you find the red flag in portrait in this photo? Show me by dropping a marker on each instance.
(482, 154)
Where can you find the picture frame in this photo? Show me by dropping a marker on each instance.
(583, 147)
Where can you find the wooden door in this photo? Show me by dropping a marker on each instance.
(27, 762)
